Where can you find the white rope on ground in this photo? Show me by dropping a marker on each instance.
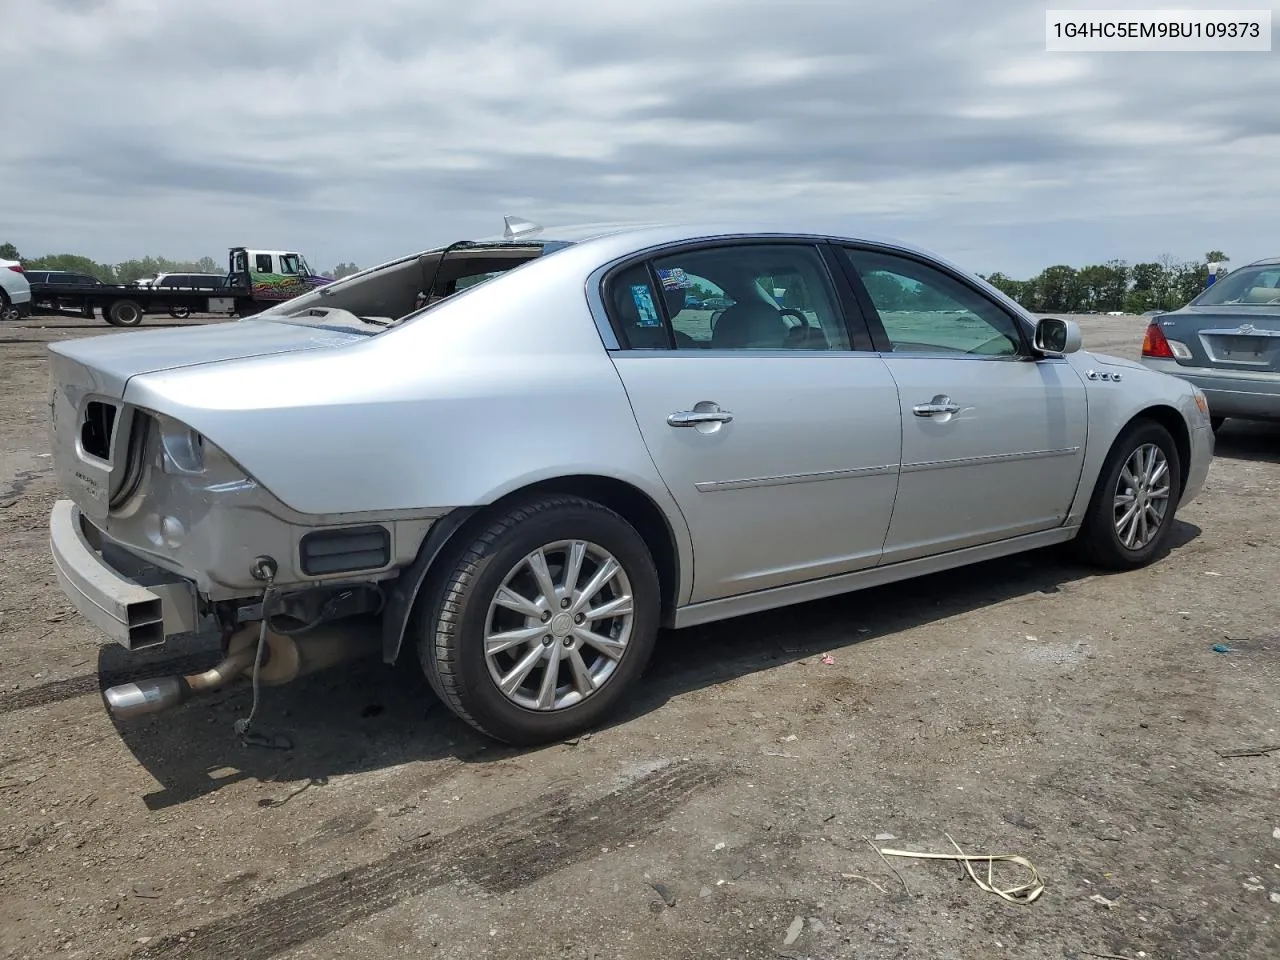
(1023, 893)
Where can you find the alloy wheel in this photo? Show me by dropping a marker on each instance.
(559, 625)
(1141, 496)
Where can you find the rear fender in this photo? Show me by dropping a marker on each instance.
(404, 595)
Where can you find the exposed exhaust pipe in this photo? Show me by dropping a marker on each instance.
(286, 659)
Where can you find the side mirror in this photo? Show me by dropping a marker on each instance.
(1057, 338)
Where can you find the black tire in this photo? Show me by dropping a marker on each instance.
(451, 618)
(1216, 423)
(1098, 542)
(86, 311)
(123, 313)
(7, 310)
(180, 313)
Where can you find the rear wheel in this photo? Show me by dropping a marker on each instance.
(1133, 505)
(7, 310)
(539, 626)
(123, 313)
(180, 313)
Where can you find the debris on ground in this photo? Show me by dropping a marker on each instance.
(828, 659)
(1221, 648)
(1249, 752)
(793, 932)
(1023, 893)
(1099, 898)
(662, 890)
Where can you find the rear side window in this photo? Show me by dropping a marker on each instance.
(637, 315)
(262, 262)
(740, 296)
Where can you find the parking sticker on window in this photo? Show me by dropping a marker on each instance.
(643, 298)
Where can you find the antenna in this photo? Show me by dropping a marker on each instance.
(515, 227)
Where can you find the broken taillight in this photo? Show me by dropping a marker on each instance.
(1155, 344)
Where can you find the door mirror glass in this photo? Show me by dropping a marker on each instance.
(1057, 337)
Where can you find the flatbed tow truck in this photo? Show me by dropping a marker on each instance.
(255, 280)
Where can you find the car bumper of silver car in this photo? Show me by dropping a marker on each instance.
(1201, 456)
(1231, 393)
(130, 601)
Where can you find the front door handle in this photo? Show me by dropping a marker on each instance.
(938, 405)
(691, 418)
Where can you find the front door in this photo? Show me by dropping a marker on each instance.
(992, 439)
(779, 443)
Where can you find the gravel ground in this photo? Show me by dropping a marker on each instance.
(1027, 706)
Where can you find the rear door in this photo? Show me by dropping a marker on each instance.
(992, 438)
(776, 432)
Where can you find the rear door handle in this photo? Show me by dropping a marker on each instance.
(938, 405)
(691, 418)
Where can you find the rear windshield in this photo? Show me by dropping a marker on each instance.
(1248, 285)
(411, 286)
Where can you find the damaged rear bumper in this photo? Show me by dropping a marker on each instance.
(132, 602)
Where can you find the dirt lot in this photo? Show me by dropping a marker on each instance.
(1027, 706)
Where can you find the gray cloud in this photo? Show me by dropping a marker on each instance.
(360, 131)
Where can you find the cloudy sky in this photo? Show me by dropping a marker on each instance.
(365, 130)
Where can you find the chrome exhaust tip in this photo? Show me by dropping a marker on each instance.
(141, 697)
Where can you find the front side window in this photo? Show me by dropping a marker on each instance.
(733, 297)
(923, 310)
(289, 264)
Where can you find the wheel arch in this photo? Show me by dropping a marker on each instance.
(1176, 424)
(630, 502)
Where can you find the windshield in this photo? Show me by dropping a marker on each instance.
(1248, 285)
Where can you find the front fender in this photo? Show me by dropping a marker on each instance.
(1113, 405)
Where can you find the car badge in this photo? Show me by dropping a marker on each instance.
(1246, 328)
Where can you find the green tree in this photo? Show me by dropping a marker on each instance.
(9, 252)
(343, 270)
(73, 263)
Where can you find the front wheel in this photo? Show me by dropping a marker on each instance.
(7, 310)
(1134, 502)
(539, 626)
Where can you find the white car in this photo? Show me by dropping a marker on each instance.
(563, 451)
(15, 291)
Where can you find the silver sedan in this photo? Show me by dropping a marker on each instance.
(519, 458)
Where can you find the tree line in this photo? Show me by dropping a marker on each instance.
(131, 270)
(1164, 284)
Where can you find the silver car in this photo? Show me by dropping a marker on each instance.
(565, 449)
(15, 290)
(1227, 342)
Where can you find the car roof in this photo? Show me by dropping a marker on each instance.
(624, 237)
(1265, 262)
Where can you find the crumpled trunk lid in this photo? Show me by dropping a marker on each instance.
(96, 438)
